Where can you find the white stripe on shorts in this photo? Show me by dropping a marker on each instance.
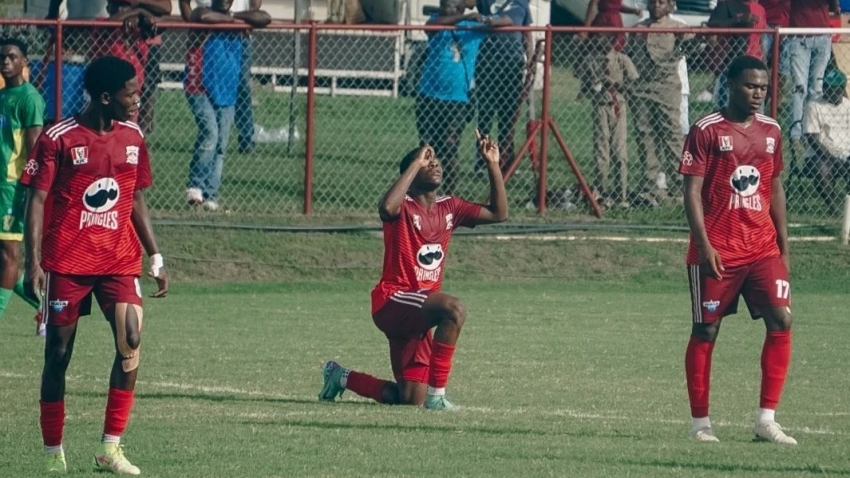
(410, 298)
(696, 310)
(44, 307)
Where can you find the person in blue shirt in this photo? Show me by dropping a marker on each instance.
(443, 105)
(499, 74)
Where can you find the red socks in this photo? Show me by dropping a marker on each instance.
(775, 357)
(441, 364)
(52, 421)
(366, 385)
(118, 407)
(698, 374)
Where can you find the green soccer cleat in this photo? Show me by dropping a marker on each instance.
(332, 388)
(110, 457)
(438, 402)
(55, 463)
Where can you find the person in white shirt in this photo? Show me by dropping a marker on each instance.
(244, 118)
(826, 124)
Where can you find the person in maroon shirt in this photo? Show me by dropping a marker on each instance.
(606, 13)
(735, 207)
(92, 169)
(407, 302)
(808, 57)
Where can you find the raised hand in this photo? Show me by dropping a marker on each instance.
(488, 148)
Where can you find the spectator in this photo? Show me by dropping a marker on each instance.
(213, 70)
(685, 108)
(606, 13)
(826, 125)
(656, 101)
(78, 9)
(808, 58)
(736, 14)
(442, 106)
(499, 73)
(777, 13)
(244, 107)
(130, 43)
(606, 74)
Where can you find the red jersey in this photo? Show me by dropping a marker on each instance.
(130, 47)
(738, 165)
(416, 245)
(754, 40)
(90, 180)
(777, 12)
(810, 14)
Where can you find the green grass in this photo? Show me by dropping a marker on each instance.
(571, 364)
(555, 379)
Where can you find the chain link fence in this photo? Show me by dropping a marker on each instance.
(318, 116)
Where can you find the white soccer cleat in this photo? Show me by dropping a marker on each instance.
(772, 432)
(210, 205)
(194, 196)
(705, 435)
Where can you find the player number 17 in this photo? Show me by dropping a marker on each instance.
(782, 288)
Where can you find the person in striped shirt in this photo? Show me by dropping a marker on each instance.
(407, 302)
(735, 206)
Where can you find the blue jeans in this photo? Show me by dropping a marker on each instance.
(767, 50)
(808, 58)
(244, 108)
(214, 125)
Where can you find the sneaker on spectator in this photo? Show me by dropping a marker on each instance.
(194, 196)
(210, 205)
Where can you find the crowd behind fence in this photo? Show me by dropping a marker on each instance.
(331, 109)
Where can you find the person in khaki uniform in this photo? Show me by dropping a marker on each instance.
(656, 101)
(606, 74)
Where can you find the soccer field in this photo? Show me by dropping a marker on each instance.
(554, 378)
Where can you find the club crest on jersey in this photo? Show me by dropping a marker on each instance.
(79, 155)
(99, 200)
(32, 167)
(429, 261)
(132, 153)
(687, 159)
(745, 182)
(450, 221)
(771, 145)
(725, 143)
(417, 222)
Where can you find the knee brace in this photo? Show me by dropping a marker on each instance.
(128, 317)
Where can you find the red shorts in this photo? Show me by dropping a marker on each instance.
(409, 334)
(764, 284)
(68, 297)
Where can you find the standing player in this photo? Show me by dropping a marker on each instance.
(21, 120)
(407, 302)
(735, 205)
(94, 168)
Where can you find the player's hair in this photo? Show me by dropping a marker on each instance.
(742, 63)
(16, 43)
(408, 158)
(107, 74)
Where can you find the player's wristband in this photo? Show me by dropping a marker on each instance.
(157, 263)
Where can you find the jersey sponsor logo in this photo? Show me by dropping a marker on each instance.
(32, 167)
(450, 221)
(771, 145)
(745, 182)
(132, 153)
(429, 260)
(80, 155)
(417, 222)
(99, 199)
(687, 159)
(711, 305)
(725, 143)
(58, 305)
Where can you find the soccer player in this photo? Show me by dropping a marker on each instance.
(93, 168)
(21, 121)
(735, 206)
(407, 302)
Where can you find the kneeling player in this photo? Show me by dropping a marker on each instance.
(407, 302)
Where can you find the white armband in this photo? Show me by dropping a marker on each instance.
(157, 263)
